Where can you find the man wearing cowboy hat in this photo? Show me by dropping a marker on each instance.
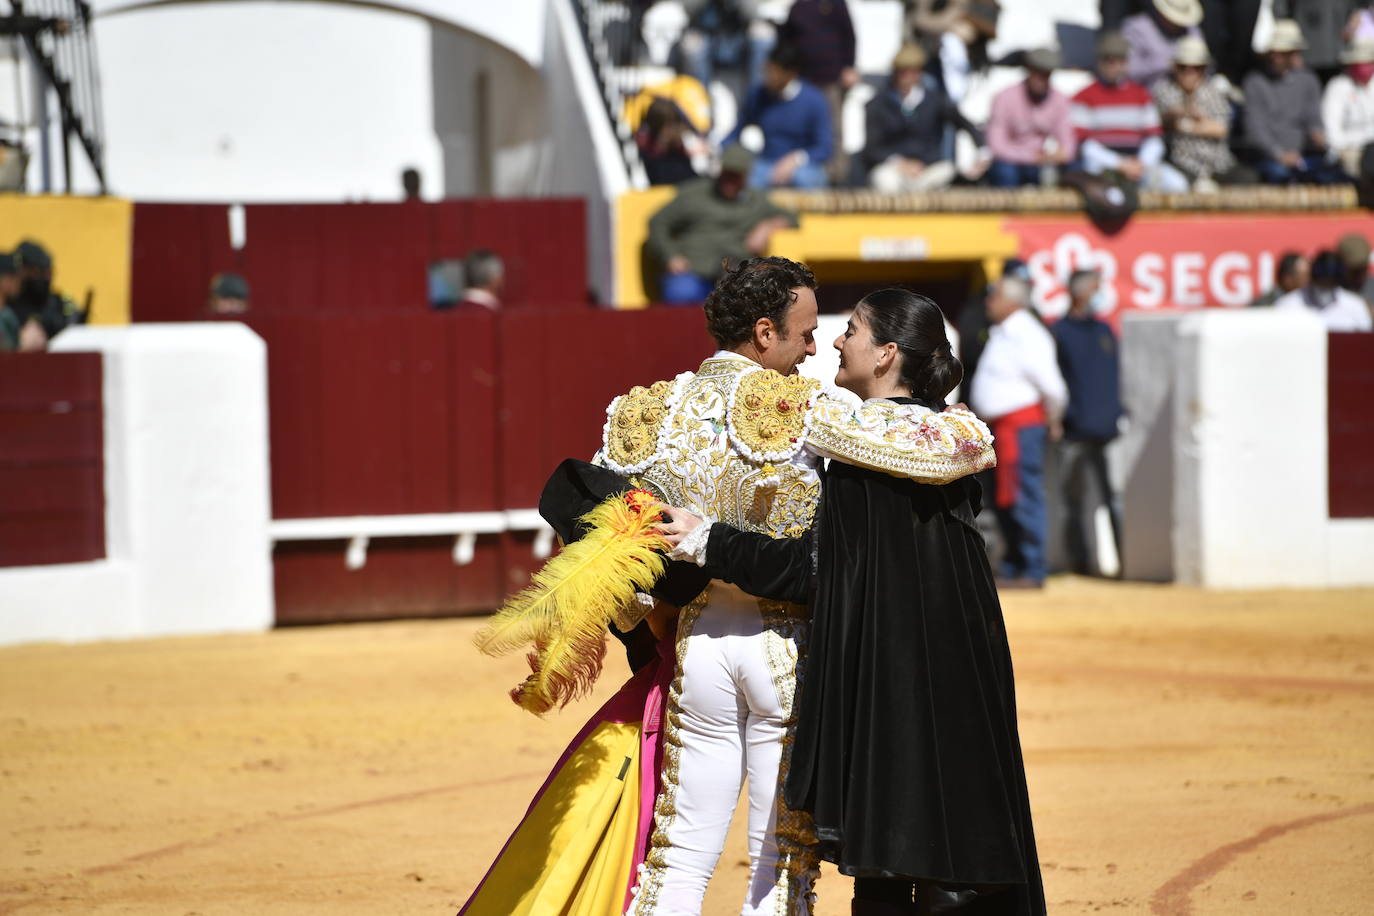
(1030, 128)
(1348, 107)
(1323, 24)
(1152, 34)
(1117, 125)
(1197, 119)
(1283, 115)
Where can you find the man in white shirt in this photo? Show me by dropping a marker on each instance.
(1348, 106)
(1020, 392)
(1339, 309)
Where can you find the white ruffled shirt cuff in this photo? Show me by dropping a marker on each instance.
(693, 546)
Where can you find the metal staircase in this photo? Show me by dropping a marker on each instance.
(57, 35)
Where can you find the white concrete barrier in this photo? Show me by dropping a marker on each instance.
(187, 498)
(1226, 480)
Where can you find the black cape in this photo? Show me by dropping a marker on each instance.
(906, 750)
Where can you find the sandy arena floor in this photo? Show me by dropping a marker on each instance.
(1187, 753)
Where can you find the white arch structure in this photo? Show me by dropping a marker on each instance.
(499, 99)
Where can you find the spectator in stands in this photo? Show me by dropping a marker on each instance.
(725, 35)
(9, 287)
(228, 295)
(1229, 29)
(1339, 309)
(1360, 27)
(1152, 35)
(795, 121)
(711, 221)
(1197, 119)
(38, 313)
(410, 183)
(683, 90)
(1030, 131)
(1354, 251)
(1322, 24)
(1283, 115)
(1117, 125)
(906, 129)
(662, 140)
(1090, 361)
(1292, 273)
(823, 35)
(1348, 107)
(484, 278)
(1021, 393)
(956, 34)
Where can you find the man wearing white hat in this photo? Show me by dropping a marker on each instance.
(1283, 121)
(1197, 118)
(1348, 106)
(1152, 35)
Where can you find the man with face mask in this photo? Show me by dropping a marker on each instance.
(39, 312)
(1348, 107)
(1339, 309)
(1090, 361)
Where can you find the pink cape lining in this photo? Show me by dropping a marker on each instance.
(641, 699)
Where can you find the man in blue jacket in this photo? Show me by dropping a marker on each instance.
(795, 121)
(1090, 361)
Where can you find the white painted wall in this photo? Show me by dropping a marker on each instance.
(1226, 458)
(187, 494)
(245, 100)
(253, 101)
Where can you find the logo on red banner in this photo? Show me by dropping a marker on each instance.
(1171, 263)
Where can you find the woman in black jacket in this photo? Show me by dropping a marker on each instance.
(906, 748)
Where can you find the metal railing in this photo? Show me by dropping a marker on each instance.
(57, 34)
(607, 36)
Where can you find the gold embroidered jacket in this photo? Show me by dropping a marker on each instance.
(742, 444)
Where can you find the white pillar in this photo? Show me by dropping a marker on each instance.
(1250, 501)
(187, 493)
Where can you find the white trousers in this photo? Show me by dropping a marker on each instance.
(729, 709)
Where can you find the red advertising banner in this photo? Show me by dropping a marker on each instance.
(1179, 261)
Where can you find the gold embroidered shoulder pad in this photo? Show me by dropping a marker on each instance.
(769, 414)
(631, 437)
(905, 440)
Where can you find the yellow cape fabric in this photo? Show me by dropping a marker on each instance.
(571, 854)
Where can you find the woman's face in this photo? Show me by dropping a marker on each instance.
(858, 356)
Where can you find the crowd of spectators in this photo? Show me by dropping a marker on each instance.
(32, 313)
(1178, 102)
(1335, 284)
(1052, 396)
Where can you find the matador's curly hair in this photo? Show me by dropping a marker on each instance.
(756, 288)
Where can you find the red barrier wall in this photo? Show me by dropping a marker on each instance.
(440, 412)
(1350, 425)
(317, 258)
(52, 486)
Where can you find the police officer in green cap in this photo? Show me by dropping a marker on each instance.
(34, 313)
(9, 286)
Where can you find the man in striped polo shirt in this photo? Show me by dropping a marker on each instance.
(1117, 125)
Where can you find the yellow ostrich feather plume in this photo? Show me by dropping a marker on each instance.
(564, 612)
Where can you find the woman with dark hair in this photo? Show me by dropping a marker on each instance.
(906, 749)
(662, 139)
